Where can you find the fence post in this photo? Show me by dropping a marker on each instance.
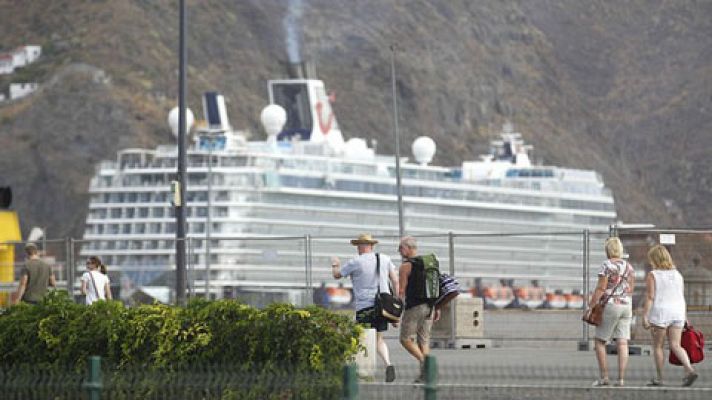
(350, 382)
(584, 345)
(431, 378)
(451, 249)
(69, 248)
(93, 383)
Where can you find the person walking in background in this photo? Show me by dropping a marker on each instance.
(665, 312)
(95, 281)
(616, 280)
(36, 277)
(417, 318)
(362, 270)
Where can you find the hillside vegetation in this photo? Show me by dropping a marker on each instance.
(619, 87)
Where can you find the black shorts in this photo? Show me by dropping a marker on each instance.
(368, 317)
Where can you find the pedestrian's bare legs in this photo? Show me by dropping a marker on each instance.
(622, 358)
(600, 347)
(674, 334)
(658, 353)
(413, 349)
(382, 348)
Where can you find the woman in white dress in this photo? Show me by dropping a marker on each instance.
(665, 312)
(95, 282)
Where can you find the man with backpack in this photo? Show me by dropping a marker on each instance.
(419, 288)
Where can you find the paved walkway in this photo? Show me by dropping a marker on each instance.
(510, 372)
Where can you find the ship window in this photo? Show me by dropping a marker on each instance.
(198, 227)
(155, 228)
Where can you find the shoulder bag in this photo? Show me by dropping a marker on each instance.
(388, 306)
(594, 315)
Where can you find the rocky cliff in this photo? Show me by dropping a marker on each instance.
(619, 87)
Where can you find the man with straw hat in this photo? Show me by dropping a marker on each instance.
(362, 270)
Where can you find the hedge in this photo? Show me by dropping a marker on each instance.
(58, 333)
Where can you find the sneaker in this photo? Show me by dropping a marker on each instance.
(600, 382)
(655, 382)
(619, 383)
(689, 379)
(390, 373)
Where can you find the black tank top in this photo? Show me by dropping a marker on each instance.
(415, 291)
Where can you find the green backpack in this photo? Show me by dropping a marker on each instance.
(431, 273)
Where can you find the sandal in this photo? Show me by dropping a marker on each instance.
(600, 382)
(689, 379)
(655, 382)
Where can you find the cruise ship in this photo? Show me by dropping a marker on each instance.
(266, 215)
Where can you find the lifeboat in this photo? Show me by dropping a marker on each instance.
(555, 300)
(530, 296)
(574, 300)
(497, 296)
(338, 296)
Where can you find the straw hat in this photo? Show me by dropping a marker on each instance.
(363, 238)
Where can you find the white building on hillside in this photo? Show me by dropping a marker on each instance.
(19, 57)
(19, 90)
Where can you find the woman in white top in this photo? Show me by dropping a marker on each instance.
(95, 282)
(665, 312)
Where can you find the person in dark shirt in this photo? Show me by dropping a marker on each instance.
(417, 319)
(36, 277)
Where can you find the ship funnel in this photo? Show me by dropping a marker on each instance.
(301, 70)
(215, 111)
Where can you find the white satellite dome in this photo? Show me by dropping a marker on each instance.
(273, 118)
(423, 150)
(173, 120)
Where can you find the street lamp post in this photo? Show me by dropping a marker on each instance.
(209, 227)
(180, 207)
(401, 229)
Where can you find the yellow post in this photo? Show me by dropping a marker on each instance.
(9, 232)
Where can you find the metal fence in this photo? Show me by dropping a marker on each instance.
(542, 279)
(525, 374)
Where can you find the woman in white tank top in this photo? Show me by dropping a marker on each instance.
(665, 312)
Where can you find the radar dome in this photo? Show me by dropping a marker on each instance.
(173, 120)
(273, 118)
(423, 150)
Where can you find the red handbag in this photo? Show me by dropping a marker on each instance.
(693, 341)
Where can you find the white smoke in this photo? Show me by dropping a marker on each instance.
(292, 30)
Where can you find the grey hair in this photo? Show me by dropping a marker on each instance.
(409, 241)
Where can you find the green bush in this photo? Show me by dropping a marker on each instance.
(279, 343)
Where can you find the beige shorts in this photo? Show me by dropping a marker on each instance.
(616, 322)
(417, 321)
